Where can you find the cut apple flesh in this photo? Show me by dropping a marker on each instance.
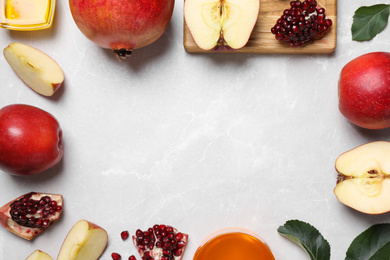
(36, 69)
(84, 241)
(221, 22)
(39, 255)
(364, 180)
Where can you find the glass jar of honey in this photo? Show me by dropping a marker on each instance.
(233, 244)
(27, 15)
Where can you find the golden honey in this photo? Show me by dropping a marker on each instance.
(27, 15)
(233, 245)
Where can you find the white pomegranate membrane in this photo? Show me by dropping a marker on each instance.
(304, 22)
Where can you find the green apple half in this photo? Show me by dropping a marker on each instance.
(221, 23)
(363, 181)
(35, 68)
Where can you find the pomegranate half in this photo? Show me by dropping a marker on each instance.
(31, 214)
(122, 25)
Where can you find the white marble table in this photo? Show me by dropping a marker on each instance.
(198, 141)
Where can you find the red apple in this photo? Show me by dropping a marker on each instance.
(364, 90)
(30, 140)
(122, 25)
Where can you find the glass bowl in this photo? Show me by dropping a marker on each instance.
(233, 243)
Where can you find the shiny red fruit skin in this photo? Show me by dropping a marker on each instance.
(364, 90)
(122, 24)
(30, 140)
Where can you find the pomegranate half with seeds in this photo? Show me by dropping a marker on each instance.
(122, 25)
(304, 22)
(160, 242)
(31, 214)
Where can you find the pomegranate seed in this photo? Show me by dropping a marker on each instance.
(167, 246)
(178, 252)
(132, 257)
(180, 244)
(169, 229)
(124, 235)
(163, 227)
(179, 236)
(116, 256)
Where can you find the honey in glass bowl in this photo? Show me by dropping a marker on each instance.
(233, 244)
(27, 15)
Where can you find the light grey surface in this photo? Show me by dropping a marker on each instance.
(197, 141)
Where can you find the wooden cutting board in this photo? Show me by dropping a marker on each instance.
(263, 41)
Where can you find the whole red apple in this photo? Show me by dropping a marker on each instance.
(30, 140)
(364, 90)
(122, 25)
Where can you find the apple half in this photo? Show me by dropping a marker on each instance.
(39, 255)
(218, 24)
(35, 68)
(85, 240)
(363, 181)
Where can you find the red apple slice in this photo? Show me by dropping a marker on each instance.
(39, 71)
(221, 23)
(39, 255)
(84, 241)
(363, 181)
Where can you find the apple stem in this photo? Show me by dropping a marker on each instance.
(122, 53)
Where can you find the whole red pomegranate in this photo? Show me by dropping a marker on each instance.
(122, 25)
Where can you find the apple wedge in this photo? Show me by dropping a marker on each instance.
(216, 24)
(39, 255)
(38, 71)
(85, 240)
(363, 181)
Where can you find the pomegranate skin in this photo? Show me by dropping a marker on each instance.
(122, 24)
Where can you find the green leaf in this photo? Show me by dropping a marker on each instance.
(372, 244)
(307, 237)
(368, 21)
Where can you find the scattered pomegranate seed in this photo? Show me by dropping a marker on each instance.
(116, 256)
(124, 235)
(132, 257)
(302, 23)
